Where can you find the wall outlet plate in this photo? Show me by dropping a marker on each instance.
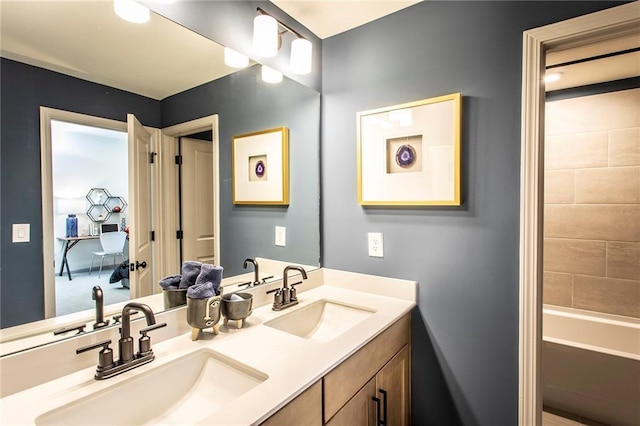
(281, 236)
(376, 244)
(21, 233)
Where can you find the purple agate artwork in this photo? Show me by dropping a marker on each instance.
(260, 169)
(405, 156)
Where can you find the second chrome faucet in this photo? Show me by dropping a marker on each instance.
(287, 295)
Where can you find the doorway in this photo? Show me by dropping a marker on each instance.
(66, 201)
(90, 192)
(607, 24)
(200, 195)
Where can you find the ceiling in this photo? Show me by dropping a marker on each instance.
(87, 40)
(326, 18)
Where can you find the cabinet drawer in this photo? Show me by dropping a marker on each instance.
(349, 377)
(304, 410)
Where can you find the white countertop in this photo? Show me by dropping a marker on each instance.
(291, 363)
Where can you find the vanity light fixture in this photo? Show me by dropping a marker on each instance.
(131, 11)
(267, 39)
(235, 59)
(269, 75)
(301, 56)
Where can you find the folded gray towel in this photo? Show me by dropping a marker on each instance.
(171, 282)
(210, 274)
(190, 271)
(203, 290)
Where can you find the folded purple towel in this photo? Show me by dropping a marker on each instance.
(171, 282)
(210, 274)
(201, 291)
(190, 271)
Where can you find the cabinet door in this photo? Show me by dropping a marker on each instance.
(344, 381)
(304, 410)
(392, 388)
(360, 410)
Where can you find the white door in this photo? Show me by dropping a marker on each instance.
(140, 245)
(198, 241)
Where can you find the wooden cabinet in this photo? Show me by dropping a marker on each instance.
(360, 410)
(393, 384)
(384, 363)
(304, 410)
(384, 400)
(345, 395)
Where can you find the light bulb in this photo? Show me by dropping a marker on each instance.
(549, 78)
(265, 36)
(301, 56)
(131, 11)
(234, 59)
(269, 75)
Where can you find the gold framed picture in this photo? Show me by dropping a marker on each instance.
(409, 154)
(260, 162)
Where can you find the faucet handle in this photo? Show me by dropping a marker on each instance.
(292, 291)
(278, 298)
(116, 318)
(144, 343)
(105, 357)
(78, 327)
(145, 330)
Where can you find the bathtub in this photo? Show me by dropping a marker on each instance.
(591, 365)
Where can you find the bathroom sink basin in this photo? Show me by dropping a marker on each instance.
(183, 391)
(323, 320)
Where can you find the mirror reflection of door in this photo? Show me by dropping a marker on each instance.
(86, 157)
(140, 235)
(197, 204)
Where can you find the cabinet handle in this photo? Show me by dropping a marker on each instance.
(384, 407)
(377, 401)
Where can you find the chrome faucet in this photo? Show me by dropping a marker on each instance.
(286, 296)
(127, 359)
(125, 344)
(96, 294)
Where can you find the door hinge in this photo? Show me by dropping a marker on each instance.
(153, 235)
(179, 234)
(152, 156)
(178, 159)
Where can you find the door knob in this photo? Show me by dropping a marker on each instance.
(138, 265)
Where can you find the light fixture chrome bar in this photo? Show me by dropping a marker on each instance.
(286, 27)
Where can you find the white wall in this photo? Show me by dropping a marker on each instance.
(84, 158)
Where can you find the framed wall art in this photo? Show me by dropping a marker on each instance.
(409, 154)
(260, 162)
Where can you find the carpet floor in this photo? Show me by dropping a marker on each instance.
(75, 295)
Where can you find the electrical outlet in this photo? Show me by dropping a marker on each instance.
(281, 236)
(376, 244)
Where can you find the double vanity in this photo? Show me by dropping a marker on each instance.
(340, 356)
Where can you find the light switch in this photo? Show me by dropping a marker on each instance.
(281, 236)
(21, 232)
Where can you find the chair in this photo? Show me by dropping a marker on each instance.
(112, 244)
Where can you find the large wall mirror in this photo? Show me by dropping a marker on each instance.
(34, 75)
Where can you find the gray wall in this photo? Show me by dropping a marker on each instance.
(465, 330)
(244, 104)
